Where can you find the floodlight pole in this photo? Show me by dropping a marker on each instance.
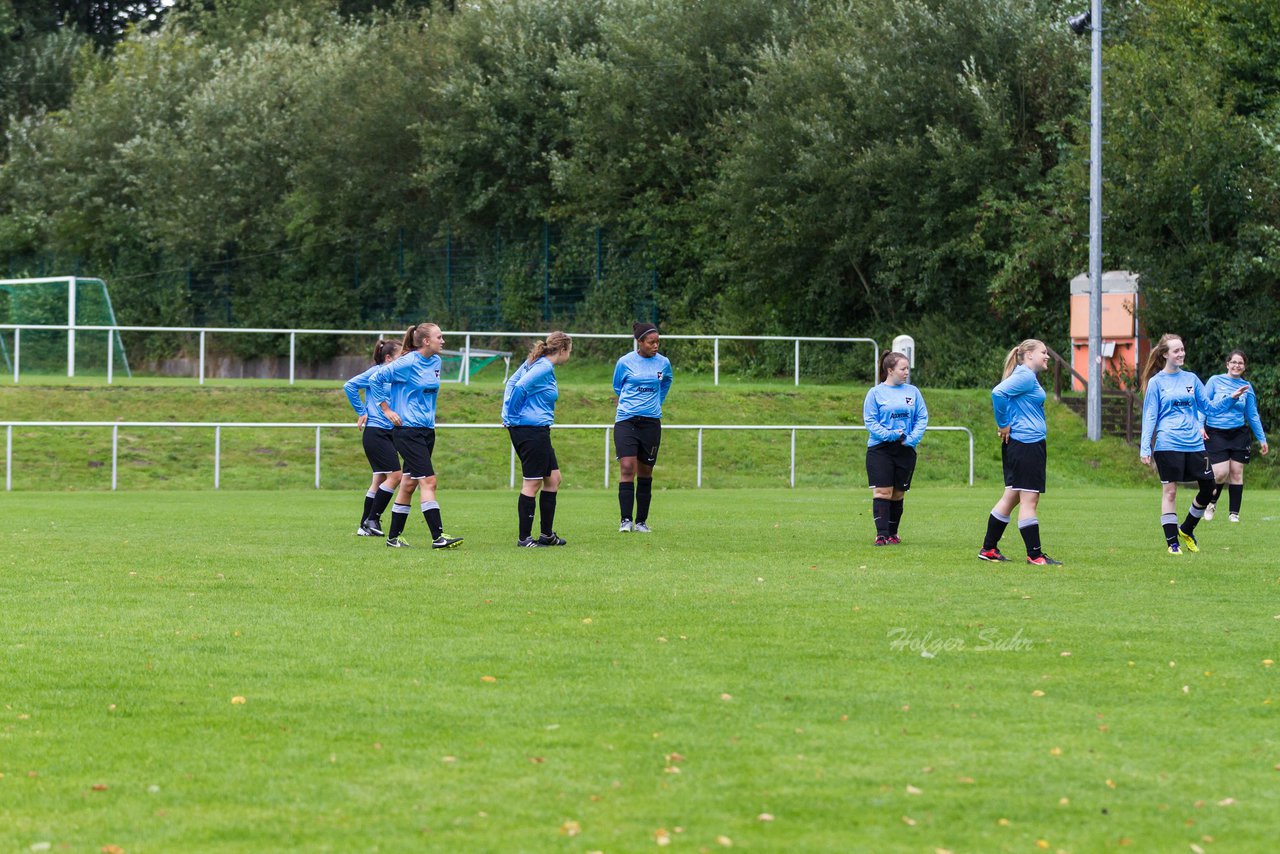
(1093, 400)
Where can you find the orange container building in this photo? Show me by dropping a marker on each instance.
(1124, 342)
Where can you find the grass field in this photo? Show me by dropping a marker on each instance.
(752, 674)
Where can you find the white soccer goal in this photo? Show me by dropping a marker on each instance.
(47, 308)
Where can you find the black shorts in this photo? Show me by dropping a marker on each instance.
(1183, 466)
(380, 450)
(415, 445)
(533, 447)
(1024, 465)
(638, 437)
(891, 464)
(1230, 444)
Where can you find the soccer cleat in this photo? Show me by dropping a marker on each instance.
(1234, 517)
(524, 543)
(625, 526)
(374, 524)
(992, 555)
(551, 540)
(1043, 560)
(881, 540)
(397, 543)
(362, 531)
(1208, 511)
(894, 541)
(1188, 542)
(1174, 550)
(445, 542)
(640, 528)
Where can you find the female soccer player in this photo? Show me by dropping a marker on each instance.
(1018, 402)
(641, 381)
(412, 382)
(376, 438)
(1227, 436)
(896, 417)
(1171, 415)
(528, 411)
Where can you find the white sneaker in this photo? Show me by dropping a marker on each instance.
(1234, 517)
(625, 526)
(639, 527)
(1208, 511)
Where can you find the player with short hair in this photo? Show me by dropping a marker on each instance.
(1174, 401)
(1227, 435)
(1018, 403)
(375, 437)
(895, 416)
(641, 381)
(412, 383)
(528, 411)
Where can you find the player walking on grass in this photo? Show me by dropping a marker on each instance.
(1227, 438)
(1018, 402)
(641, 381)
(896, 417)
(376, 437)
(528, 411)
(411, 383)
(1174, 403)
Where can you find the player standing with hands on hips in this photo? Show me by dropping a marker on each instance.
(528, 411)
(375, 436)
(1171, 410)
(1018, 402)
(641, 381)
(1227, 434)
(895, 416)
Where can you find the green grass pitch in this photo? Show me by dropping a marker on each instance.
(753, 674)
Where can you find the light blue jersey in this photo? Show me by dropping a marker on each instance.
(893, 412)
(1018, 402)
(413, 381)
(641, 385)
(367, 406)
(1244, 409)
(1171, 412)
(530, 399)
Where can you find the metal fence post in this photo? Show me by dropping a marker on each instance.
(111, 357)
(317, 458)
(115, 452)
(201, 357)
(8, 459)
(793, 457)
(699, 458)
(715, 360)
(797, 361)
(217, 455)
(17, 353)
(606, 457)
(293, 347)
(466, 361)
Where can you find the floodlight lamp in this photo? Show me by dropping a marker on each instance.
(1080, 24)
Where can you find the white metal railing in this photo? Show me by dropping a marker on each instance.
(607, 428)
(467, 350)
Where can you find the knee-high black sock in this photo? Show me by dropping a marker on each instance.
(368, 504)
(880, 516)
(381, 501)
(431, 512)
(1235, 493)
(644, 494)
(1030, 531)
(399, 516)
(626, 499)
(1201, 501)
(547, 511)
(895, 517)
(996, 523)
(1217, 492)
(524, 508)
(1169, 523)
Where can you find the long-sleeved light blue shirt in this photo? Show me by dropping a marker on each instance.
(641, 385)
(353, 386)
(1243, 409)
(1171, 412)
(413, 381)
(894, 411)
(531, 393)
(1018, 402)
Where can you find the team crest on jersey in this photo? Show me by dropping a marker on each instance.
(1189, 389)
(659, 376)
(908, 401)
(437, 375)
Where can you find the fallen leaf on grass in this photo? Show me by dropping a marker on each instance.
(488, 678)
(536, 760)
(674, 758)
(1196, 849)
(112, 849)
(764, 816)
(1227, 802)
(1042, 843)
(662, 837)
(726, 697)
(908, 821)
(238, 700)
(99, 787)
(1110, 783)
(570, 828)
(724, 841)
(1037, 693)
(912, 790)
(1055, 751)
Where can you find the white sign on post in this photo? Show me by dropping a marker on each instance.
(906, 345)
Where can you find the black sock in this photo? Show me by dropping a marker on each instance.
(1201, 501)
(381, 501)
(399, 516)
(1217, 492)
(880, 515)
(1030, 531)
(895, 516)
(1235, 492)
(547, 511)
(368, 504)
(626, 498)
(995, 530)
(431, 512)
(524, 509)
(644, 494)
(1169, 522)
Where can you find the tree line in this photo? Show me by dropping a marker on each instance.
(824, 167)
